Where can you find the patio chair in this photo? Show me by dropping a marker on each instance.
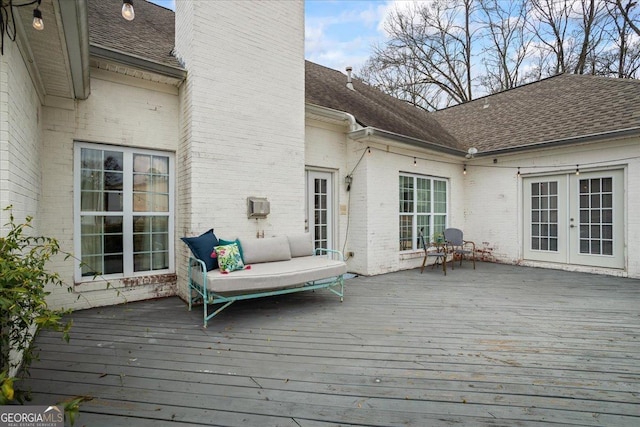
(437, 250)
(458, 247)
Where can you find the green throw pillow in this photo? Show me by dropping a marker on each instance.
(229, 258)
(231, 242)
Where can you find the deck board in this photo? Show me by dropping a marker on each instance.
(502, 345)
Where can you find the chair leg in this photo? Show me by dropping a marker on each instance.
(424, 261)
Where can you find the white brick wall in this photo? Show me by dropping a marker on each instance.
(242, 128)
(120, 111)
(373, 213)
(381, 171)
(494, 196)
(19, 138)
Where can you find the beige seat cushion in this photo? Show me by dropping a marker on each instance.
(272, 275)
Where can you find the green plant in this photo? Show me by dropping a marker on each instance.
(24, 310)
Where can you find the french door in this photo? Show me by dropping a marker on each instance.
(320, 209)
(575, 219)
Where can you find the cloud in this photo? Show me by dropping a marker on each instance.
(342, 34)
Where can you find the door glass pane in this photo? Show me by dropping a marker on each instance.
(320, 212)
(544, 216)
(596, 213)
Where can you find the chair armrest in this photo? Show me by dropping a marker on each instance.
(195, 261)
(319, 251)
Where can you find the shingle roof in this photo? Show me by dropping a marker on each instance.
(371, 107)
(150, 35)
(561, 107)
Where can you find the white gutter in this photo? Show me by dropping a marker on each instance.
(620, 133)
(368, 132)
(330, 113)
(75, 25)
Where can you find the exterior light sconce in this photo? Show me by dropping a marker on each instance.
(464, 170)
(127, 10)
(348, 180)
(518, 171)
(415, 162)
(577, 170)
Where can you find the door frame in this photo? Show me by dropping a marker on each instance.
(332, 203)
(568, 250)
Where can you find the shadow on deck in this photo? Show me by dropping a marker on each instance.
(501, 345)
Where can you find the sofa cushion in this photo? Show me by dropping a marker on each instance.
(273, 275)
(202, 247)
(229, 258)
(300, 244)
(266, 250)
(231, 242)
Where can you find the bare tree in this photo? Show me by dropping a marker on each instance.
(431, 46)
(630, 13)
(623, 60)
(550, 26)
(592, 15)
(508, 44)
(443, 52)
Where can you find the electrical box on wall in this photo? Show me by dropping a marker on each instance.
(257, 207)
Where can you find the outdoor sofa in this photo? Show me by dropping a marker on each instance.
(273, 266)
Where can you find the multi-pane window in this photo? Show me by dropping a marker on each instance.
(423, 207)
(544, 216)
(596, 216)
(123, 210)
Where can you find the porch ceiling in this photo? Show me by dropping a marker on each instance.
(57, 56)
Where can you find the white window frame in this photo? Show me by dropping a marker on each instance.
(127, 211)
(414, 231)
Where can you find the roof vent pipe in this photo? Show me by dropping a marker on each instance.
(349, 83)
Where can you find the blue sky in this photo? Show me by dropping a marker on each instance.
(338, 33)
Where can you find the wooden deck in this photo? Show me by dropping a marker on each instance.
(499, 346)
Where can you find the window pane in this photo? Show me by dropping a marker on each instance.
(113, 181)
(101, 245)
(406, 227)
(440, 196)
(113, 160)
(424, 195)
(161, 204)
(142, 262)
(406, 194)
(91, 159)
